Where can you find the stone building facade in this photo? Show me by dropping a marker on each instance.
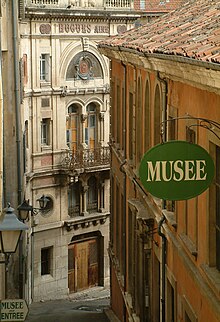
(64, 114)
(56, 119)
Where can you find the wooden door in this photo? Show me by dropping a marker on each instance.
(71, 268)
(82, 265)
(93, 263)
(83, 268)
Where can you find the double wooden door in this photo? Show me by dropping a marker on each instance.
(83, 265)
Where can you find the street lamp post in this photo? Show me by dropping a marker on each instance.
(10, 232)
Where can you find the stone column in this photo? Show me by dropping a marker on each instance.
(84, 200)
(101, 195)
(83, 119)
(101, 119)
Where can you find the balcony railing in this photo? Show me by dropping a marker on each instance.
(112, 4)
(45, 2)
(87, 158)
(73, 211)
(119, 4)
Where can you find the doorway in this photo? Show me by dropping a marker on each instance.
(83, 264)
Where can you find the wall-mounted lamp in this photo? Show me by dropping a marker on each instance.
(25, 207)
(10, 232)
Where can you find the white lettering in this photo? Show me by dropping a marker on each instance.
(178, 169)
(200, 168)
(188, 170)
(152, 171)
(164, 170)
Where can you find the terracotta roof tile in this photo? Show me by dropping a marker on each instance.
(191, 31)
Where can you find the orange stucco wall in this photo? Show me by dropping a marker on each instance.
(186, 268)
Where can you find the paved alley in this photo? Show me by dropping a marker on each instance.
(90, 305)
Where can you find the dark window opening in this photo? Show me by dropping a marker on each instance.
(46, 260)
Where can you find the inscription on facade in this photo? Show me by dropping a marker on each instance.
(83, 28)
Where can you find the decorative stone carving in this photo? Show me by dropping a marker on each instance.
(45, 28)
(83, 117)
(85, 3)
(101, 116)
(74, 3)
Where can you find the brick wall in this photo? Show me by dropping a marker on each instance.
(157, 5)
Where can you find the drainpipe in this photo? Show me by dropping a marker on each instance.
(17, 98)
(164, 106)
(124, 179)
(1, 127)
(2, 275)
(18, 129)
(163, 262)
(164, 138)
(32, 165)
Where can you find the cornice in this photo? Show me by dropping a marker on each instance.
(196, 73)
(85, 221)
(80, 15)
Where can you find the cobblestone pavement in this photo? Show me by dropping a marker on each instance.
(90, 305)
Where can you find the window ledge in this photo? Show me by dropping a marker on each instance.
(128, 298)
(170, 217)
(47, 277)
(213, 276)
(46, 147)
(189, 244)
(45, 84)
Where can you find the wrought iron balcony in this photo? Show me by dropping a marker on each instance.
(87, 158)
(74, 211)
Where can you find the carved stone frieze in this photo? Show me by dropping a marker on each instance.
(86, 222)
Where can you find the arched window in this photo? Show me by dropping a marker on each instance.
(72, 125)
(157, 116)
(90, 126)
(74, 199)
(139, 120)
(92, 195)
(85, 66)
(147, 123)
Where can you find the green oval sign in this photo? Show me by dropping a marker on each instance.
(176, 170)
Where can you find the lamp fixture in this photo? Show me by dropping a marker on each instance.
(25, 207)
(10, 231)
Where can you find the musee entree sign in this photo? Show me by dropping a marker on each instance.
(13, 310)
(176, 170)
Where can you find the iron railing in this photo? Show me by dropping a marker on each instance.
(74, 211)
(87, 158)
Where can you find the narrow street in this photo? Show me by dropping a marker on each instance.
(89, 305)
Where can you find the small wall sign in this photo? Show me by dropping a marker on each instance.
(176, 170)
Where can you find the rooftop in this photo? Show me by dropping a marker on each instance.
(191, 31)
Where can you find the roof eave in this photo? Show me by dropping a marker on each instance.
(171, 57)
